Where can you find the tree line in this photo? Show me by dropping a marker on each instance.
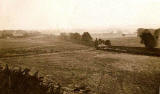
(84, 38)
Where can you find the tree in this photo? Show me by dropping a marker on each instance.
(96, 43)
(107, 42)
(86, 37)
(149, 37)
(148, 40)
(75, 36)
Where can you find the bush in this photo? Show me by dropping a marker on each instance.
(75, 36)
(21, 82)
(100, 43)
(86, 37)
(107, 42)
(96, 43)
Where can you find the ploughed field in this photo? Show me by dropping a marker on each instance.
(74, 65)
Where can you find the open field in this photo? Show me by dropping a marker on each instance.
(131, 45)
(128, 42)
(76, 65)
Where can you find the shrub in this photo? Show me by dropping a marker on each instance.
(100, 43)
(107, 42)
(75, 36)
(96, 43)
(21, 82)
(86, 37)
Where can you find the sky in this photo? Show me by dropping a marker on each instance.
(84, 14)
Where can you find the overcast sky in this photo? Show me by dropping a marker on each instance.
(68, 14)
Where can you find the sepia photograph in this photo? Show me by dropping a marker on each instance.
(79, 47)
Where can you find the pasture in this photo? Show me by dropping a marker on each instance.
(74, 65)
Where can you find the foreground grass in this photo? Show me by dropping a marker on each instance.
(75, 65)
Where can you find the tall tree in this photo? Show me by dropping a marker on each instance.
(86, 37)
(148, 39)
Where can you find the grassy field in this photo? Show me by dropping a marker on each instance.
(128, 42)
(74, 65)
